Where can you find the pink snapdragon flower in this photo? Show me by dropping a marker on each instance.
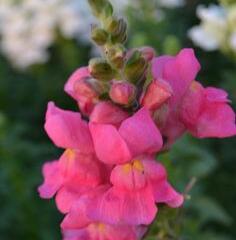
(78, 169)
(136, 187)
(77, 225)
(136, 135)
(212, 115)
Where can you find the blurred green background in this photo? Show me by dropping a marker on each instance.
(210, 213)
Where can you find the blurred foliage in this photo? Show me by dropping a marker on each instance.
(211, 211)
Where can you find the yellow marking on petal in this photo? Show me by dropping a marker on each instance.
(127, 168)
(70, 153)
(138, 165)
(194, 86)
(101, 227)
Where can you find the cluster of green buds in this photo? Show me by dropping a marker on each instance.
(116, 66)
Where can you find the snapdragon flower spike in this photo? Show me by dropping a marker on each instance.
(204, 113)
(137, 186)
(136, 135)
(78, 169)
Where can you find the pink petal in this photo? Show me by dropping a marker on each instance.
(164, 193)
(216, 95)
(76, 76)
(113, 232)
(76, 218)
(158, 65)
(216, 120)
(67, 130)
(153, 169)
(141, 134)
(80, 169)
(108, 113)
(100, 231)
(157, 93)
(162, 190)
(192, 104)
(53, 180)
(178, 71)
(82, 234)
(66, 198)
(124, 207)
(109, 146)
(128, 177)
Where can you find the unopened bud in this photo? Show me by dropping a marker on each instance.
(122, 92)
(101, 8)
(100, 69)
(148, 53)
(120, 35)
(135, 67)
(99, 36)
(112, 25)
(116, 55)
(88, 88)
(157, 93)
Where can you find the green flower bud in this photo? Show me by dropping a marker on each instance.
(112, 25)
(100, 69)
(116, 55)
(135, 67)
(101, 8)
(99, 36)
(120, 36)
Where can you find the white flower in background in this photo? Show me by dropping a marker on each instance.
(29, 27)
(171, 3)
(233, 41)
(217, 29)
(211, 32)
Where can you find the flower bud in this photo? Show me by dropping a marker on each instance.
(112, 25)
(120, 35)
(157, 93)
(116, 55)
(101, 8)
(148, 53)
(122, 92)
(135, 67)
(87, 88)
(100, 69)
(99, 36)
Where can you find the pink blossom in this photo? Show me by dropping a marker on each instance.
(136, 135)
(137, 186)
(203, 112)
(211, 115)
(179, 72)
(122, 92)
(78, 169)
(77, 225)
(82, 91)
(70, 177)
(67, 129)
